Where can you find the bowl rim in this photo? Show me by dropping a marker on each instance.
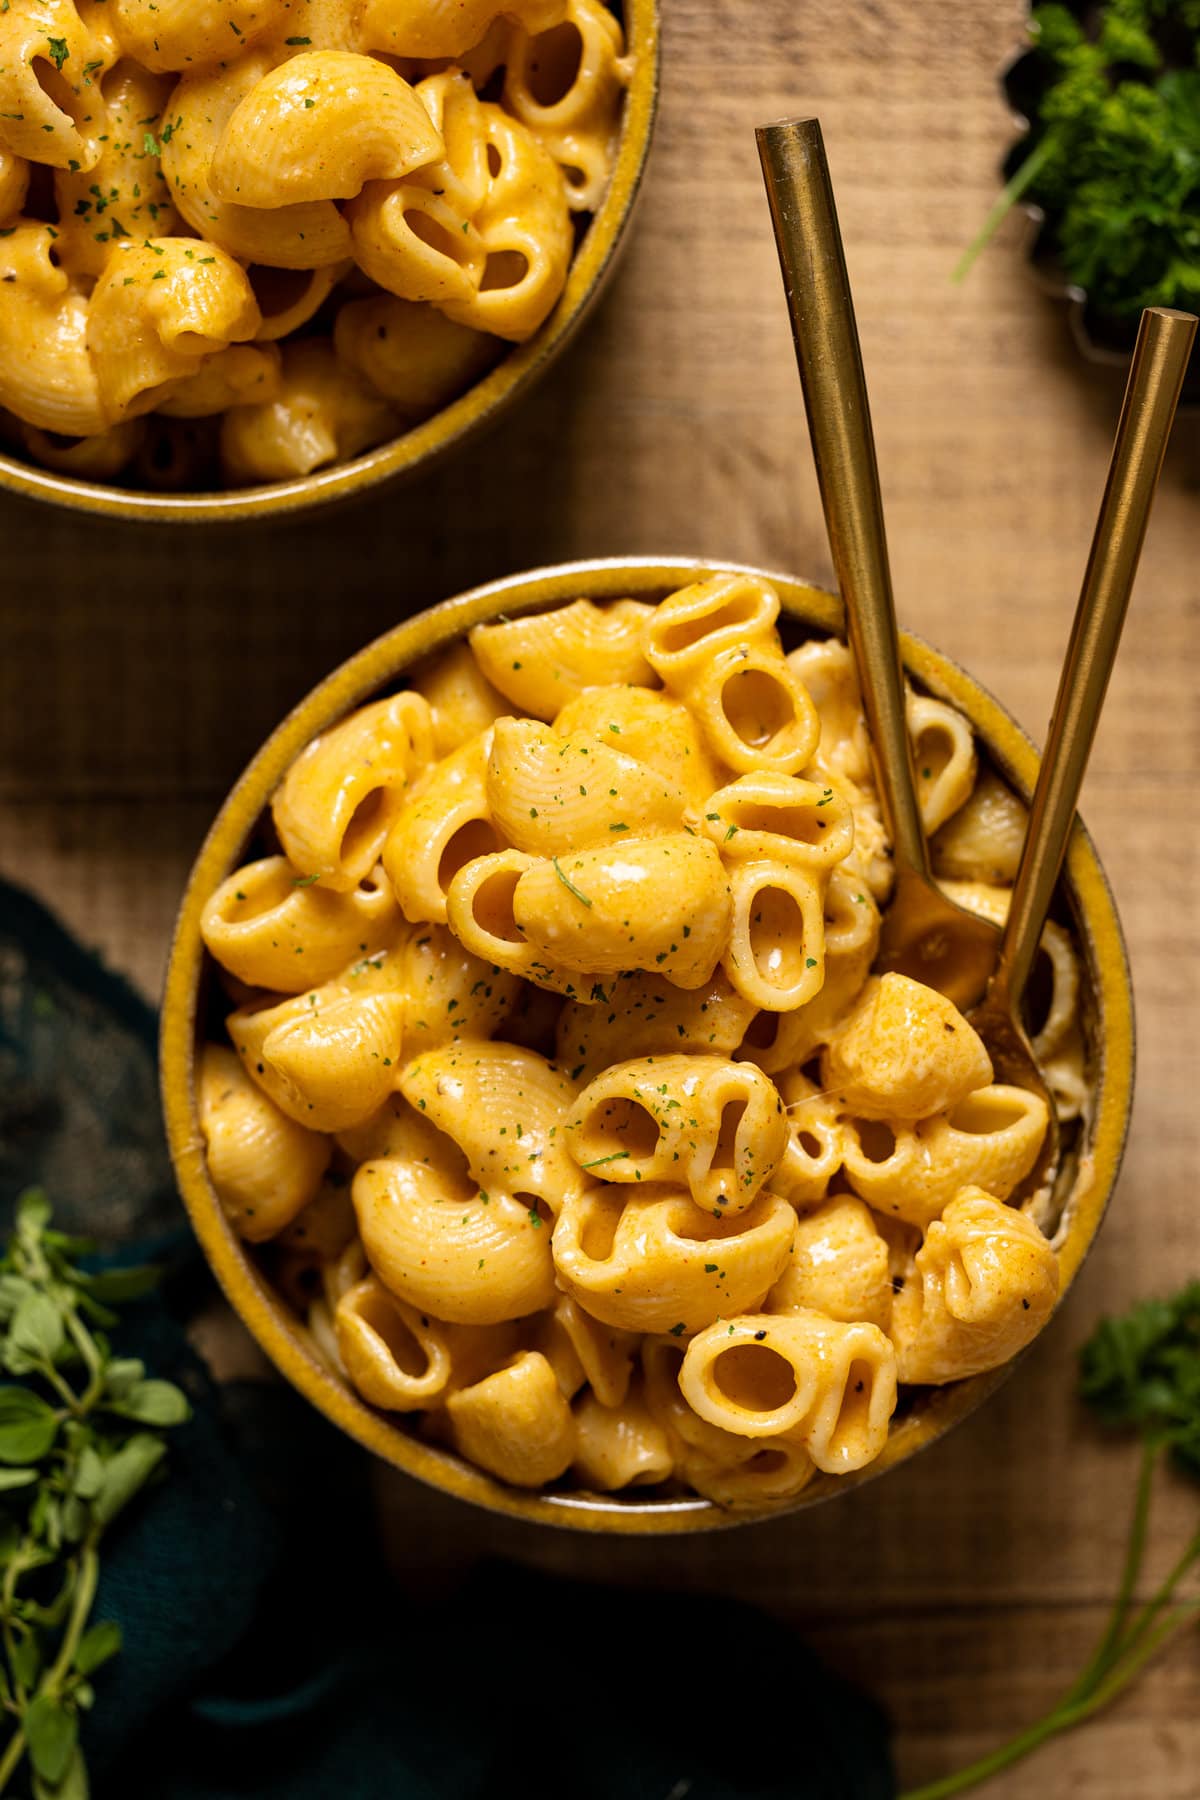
(384, 661)
(427, 443)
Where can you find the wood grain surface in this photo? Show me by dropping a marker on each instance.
(140, 667)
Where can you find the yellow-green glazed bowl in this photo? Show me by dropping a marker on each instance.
(465, 417)
(1108, 1015)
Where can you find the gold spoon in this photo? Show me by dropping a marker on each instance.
(1160, 357)
(925, 935)
(930, 939)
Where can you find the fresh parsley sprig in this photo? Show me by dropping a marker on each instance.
(80, 1434)
(1113, 153)
(1141, 1372)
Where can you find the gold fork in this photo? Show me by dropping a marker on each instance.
(925, 934)
(1160, 357)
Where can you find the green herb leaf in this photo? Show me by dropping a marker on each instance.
(28, 1426)
(153, 1403)
(1143, 1370)
(13, 1289)
(1112, 154)
(37, 1329)
(123, 1375)
(75, 1519)
(73, 1786)
(33, 1213)
(97, 1646)
(69, 1244)
(85, 1478)
(45, 1519)
(115, 1286)
(127, 1472)
(27, 1659)
(52, 1734)
(89, 1473)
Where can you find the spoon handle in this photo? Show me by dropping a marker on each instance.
(1156, 374)
(811, 257)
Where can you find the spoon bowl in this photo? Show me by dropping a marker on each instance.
(934, 940)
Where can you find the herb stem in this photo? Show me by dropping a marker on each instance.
(85, 1594)
(10, 1761)
(1107, 1649)
(1032, 166)
(1112, 1668)
(1158, 1600)
(991, 1764)
(52, 1615)
(1140, 1370)
(85, 1343)
(12, 1575)
(1131, 1664)
(63, 1389)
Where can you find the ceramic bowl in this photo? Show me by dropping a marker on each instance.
(472, 413)
(927, 1414)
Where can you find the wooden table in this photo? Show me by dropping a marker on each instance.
(140, 668)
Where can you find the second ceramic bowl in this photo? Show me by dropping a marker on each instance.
(929, 1413)
(472, 413)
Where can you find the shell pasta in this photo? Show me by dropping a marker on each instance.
(396, 188)
(559, 1095)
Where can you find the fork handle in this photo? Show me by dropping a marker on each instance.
(813, 262)
(1164, 342)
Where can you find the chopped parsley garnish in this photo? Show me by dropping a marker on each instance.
(569, 884)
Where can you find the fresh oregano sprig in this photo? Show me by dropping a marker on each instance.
(80, 1434)
(1140, 1371)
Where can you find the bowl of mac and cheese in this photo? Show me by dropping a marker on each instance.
(257, 257)
(531, 1089)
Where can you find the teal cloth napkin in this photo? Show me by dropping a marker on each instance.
(251, 1667)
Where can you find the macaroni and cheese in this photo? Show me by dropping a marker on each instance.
(558, 1088)
(393, 188)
